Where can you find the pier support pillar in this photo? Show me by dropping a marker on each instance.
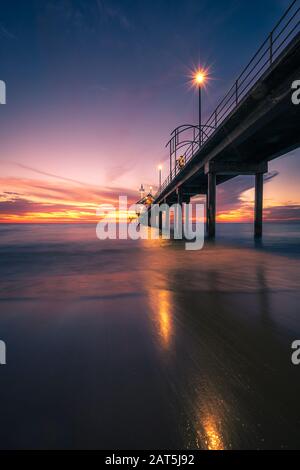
(258, 210)
(178, 220)
(211, 205)
(160, 220)
(179, 196)
(149, 217)
(206, 201)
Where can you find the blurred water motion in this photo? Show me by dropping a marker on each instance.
(141, 344)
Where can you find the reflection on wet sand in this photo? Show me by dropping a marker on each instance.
(215, 312)
(213, 437)
(162, 306)
(160, 300)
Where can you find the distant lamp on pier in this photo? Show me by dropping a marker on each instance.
(142, 191)
(159, 176)
(149, 199)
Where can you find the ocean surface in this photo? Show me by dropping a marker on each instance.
(143, 345)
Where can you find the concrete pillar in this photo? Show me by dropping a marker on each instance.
(178, 221)
(211, 205)
(206, 196)
(160, 220)
(258, 210)
(179, 196)
(149, 217)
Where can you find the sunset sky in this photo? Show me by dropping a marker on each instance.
(94, 88)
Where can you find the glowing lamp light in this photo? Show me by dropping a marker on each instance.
(200, 77)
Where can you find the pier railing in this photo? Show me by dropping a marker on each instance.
(287, 28)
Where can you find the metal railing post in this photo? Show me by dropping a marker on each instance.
(170, 159)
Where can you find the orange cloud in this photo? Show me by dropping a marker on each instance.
(28, 200)
(62, 201)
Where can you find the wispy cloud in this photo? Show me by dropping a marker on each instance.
(5, 33)
(110, 13)
(89, 16)
(35, 200)
(52, 175)
(20, 206)
(117, 171)
(230, 194)
(39, 200)
(287, 212)
(112, 173)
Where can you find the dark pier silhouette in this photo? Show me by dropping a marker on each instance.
(255, 123)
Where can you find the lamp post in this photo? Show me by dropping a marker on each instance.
(200, 78)
(142, 191)
(159, 176)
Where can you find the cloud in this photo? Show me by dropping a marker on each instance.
(288, 213)
(112, 173)
(21, 206)
(12, 193)
(36, 200)
(88, 17)
(52, 175)
(5, 33)
(230, 193)
(113, 14)
(117, 171)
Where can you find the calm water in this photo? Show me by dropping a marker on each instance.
(133, 345)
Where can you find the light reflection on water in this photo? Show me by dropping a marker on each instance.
(175, 349)
(213, 437)
(162, 308)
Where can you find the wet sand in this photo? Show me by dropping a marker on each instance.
(143, 345)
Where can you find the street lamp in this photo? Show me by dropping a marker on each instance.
(142, 191)
(159, 175)
(200, 78)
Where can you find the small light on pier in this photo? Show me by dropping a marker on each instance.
(142, 191)
(159, 176)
